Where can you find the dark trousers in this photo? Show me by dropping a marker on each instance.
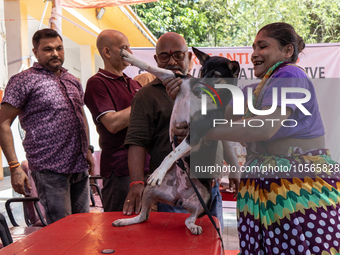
(115, 190)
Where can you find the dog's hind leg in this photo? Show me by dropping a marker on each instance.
(195, 209)
(141, 217)
(190, 224)
(157, 176)
(148, 200)
(192, 204)
(151, 195)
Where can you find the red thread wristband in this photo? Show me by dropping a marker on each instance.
(136, 182)
(14, 166)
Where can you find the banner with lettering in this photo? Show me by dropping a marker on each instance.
(321, 62)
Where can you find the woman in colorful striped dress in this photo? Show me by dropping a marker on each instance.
(288, 200)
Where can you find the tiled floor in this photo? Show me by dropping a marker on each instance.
(230, 235)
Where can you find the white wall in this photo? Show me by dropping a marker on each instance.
(3, 54)
(3, 50)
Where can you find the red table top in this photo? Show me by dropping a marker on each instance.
(90, 233)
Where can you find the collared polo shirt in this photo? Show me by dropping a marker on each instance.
(51, 115)
(106, 92)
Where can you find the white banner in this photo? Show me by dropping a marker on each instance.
(320, 61)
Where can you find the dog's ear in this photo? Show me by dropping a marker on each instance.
(234, 66)
(202, 57)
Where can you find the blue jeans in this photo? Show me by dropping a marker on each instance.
(62, 194)
(216, 206)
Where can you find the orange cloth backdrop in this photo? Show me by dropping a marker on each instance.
(100, 3)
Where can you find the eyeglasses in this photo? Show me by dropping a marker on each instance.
(165, 57)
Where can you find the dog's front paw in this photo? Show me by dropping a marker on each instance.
(156, 178)
(126, 56)
(196, 230)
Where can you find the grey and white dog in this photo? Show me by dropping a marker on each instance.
(169, 183)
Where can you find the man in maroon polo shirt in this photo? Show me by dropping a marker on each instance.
(108, 95)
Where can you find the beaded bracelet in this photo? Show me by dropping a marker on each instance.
(136, 182)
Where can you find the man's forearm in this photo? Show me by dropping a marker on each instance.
(229, 154)
(7, 115)
(6, 142)
(136, 162)
(116, 121)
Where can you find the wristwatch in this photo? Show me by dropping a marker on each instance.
(91, 148)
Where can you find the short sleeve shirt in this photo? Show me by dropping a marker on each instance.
(305, 126)
(149, 122)
(106, 92)
(51, 115)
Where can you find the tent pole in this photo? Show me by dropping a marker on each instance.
(52, 24)
(43, 15)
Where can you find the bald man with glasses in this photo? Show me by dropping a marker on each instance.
(148, 129)
(164, 57)
(150, 117)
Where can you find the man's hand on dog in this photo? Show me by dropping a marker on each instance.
(172, 86)
(180, 130)
(133, 201)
